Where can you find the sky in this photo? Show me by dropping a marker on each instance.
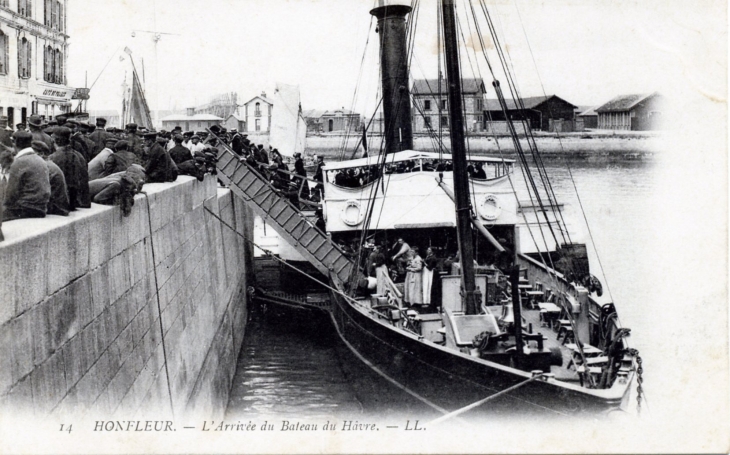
(585, 51)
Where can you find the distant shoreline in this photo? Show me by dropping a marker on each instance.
(623, 145)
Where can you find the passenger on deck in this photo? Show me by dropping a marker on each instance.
(381, 273)
(413, 287)
(319, 177)
(299, 170)
(430, 264)
(399, 251)
(479, 173)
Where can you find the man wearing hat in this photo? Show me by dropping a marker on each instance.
(58, 203)
(97, 165)
(29, 187)
(74, 169)
(186, 139)
(98, 136)
(134, 143)
(237, 142)
(121, 159)
(35, 123)
(20, 127)
(195, 145)
(159, 167)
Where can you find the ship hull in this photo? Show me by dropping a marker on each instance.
(447, 380)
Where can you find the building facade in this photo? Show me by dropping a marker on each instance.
(542, 113)
(642, 112)
(33, 55)
(257, 114)
(430, 108)
(338, 120)
(191, 121)
(234, 121)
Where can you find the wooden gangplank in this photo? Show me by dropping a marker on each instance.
(287, 220)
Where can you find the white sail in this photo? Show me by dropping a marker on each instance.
(288, 128)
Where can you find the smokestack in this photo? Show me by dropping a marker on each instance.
(394, 70)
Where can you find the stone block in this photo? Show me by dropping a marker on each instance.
(81, 295)
(99, 239)
(137, 257)
(6, 359)
(120, 235)
(20, 396)
(49, 383)
(119, 281)
(61, 256)
(62, 314)
(100, 289)
(22, 336)
(41, 342)
(75, 359)
(28, 259)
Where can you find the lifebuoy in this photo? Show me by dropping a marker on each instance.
(352, 214)
(490, 207)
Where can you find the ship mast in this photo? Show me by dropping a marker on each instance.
(472, 297)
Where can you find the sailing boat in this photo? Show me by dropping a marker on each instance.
(134, 103)
(288, 127)
(525, 330)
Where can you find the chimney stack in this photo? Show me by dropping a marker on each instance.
(394, 70)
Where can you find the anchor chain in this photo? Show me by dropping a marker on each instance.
(639, 380)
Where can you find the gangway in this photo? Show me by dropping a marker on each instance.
(278, 212)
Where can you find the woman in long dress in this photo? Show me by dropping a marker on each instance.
(430, 264)
(414, 284)
(381, 273)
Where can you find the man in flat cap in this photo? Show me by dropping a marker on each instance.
(97, 165)
(195, 145)
(28, 188)
(58, 203)
(121, 159)
(35, 124)
(98, 136)
(134, 143)
(74, 169)
(159, 167)
(20, 127)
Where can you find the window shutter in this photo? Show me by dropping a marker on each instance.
(29, 58)
(20, 58)
(6, 60)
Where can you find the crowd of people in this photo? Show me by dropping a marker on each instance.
(361, 176)
(63, 165)
(403, 263)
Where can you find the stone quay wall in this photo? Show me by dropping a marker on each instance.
(104, 315)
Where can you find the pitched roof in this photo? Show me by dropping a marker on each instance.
(236, 116)
(431, 86)
(624, 103)
(264, 99)
(530, 102)
(589, 111)
(313, 113)
(186, 118)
